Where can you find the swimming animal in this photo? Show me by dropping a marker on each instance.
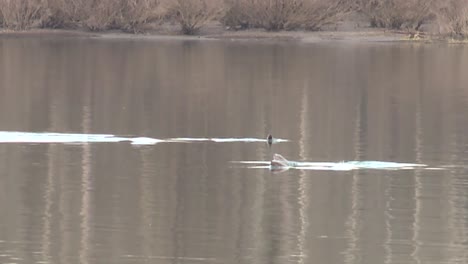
(269, 139)
(279, 161)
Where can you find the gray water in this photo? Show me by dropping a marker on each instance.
(114, 202)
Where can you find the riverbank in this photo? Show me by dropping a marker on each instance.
(253, 35)
(216, 32)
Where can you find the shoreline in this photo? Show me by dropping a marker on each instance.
(358, 35)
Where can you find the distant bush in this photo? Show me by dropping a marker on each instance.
(97, 15)
(128, 15)
(102, 14)
(137, 13)
(268, 14)
(21, 14)
(320, 13)
(451, 16)
(193, 14)
(397, 14)
(276, 15)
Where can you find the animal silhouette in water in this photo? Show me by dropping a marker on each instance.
(269, 139)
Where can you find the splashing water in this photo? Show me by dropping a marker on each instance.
(279, 164)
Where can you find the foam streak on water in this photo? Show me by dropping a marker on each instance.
(337, 166)
(74, 138)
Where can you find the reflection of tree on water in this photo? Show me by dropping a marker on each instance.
(458, 147)
(303, 188)
(419, 144)
(87, 186)
(353, 224)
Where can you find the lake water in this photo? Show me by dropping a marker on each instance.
(186, 202)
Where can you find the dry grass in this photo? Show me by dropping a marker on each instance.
(274, 15)
(193, 14)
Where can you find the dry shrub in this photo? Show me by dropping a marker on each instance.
(1, 19)
(136, 13)
(418, 13)
(276, 15)
(22, 14)
(319, 13)
(239, 15)
(193, 14)
(66, 13)
(269, 14)
(102, 14)
(397, 14)
(452, 18)
(96, 15)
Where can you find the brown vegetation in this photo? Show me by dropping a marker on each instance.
(276, 15)
(21, 14)
(136, 13)
(193, 14)
(397, 14)
(451, 16)
(95, 15)
(127, 15)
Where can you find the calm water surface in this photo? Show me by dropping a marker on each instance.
(185, 202)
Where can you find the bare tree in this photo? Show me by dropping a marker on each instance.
(418, 13)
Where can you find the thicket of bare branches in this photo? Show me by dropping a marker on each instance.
(276, 15)
(319, 13)
(133, 15)
(21, 14)
(95, 15)
(128, 15)
(101, 14)
(65, 13)
(136, 13)
(398, 14)
(450, 15)
(193, 14)
(452, 18)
